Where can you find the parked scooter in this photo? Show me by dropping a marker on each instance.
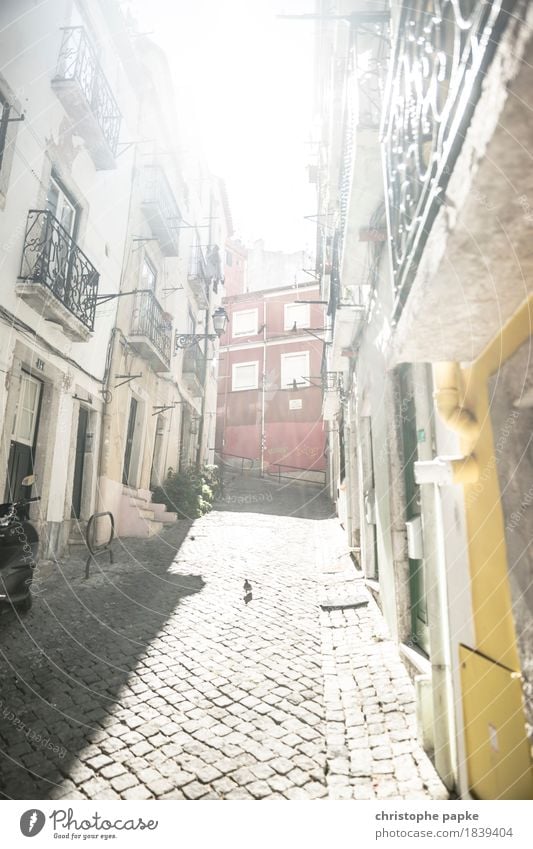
(19, 543)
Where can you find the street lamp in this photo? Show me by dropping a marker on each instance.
(220, 321)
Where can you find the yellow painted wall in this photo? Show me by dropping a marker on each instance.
(491, 595)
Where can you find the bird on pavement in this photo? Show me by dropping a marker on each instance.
(247, 591)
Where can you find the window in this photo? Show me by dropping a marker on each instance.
(4, 123)
(295, 368)
(27, 410)
(9, 123)
(244, 376)
(61, 206)
(148, 275)
(245, 323)
(298, 313)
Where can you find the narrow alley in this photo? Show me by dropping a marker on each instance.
(161, 677)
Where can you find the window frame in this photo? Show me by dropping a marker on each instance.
(4, 125)
(147, 262)
(236, 366)
(246, 332)
(63, 195)
(292, 355)
(9, 126)
(288, 324)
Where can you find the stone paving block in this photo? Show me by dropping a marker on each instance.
(112, 770)
(138, 792)
(123, 782)
(195, 790)
(239, 793)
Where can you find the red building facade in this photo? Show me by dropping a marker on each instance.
(269, 385)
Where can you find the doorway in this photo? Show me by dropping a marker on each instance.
(417, 581)
(79, 462)
(23, 437)
(128, 449)
(155, 473)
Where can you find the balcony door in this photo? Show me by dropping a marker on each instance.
(128, 448)
(23, 437)
(61, 206)
(79, 463)
(59, 241)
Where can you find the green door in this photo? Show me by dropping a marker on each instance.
(417, 585)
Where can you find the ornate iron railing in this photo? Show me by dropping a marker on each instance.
(441, 51)
(335, 278)
(150, 320)
(198, 267)
(78, 61)
(197, 264)
(194, 362)
(348, 148)
(156, 189)
(52, 258)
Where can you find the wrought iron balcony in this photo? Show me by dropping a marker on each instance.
(441, 52)
(151, 331)
(198, 277)
(160, 208)
(56, 278)
(193, 368)
(84, 91)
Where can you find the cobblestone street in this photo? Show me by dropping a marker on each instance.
(156, 678)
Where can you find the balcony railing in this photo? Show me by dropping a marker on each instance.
(150, 322)
(52, 259)
(441, 52)
(86, 95)
(160, 208)
(194, 365)
(198, 277)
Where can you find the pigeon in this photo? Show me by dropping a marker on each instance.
(247, 591)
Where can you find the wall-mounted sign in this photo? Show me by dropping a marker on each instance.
(295, 404)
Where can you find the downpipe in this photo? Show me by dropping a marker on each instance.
(444, 471)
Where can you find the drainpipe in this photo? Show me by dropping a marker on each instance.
(451, 470)
(447, 400)
(440, 682)
(206, 347)
(263, 379)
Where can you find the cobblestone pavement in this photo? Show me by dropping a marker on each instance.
(155, 678)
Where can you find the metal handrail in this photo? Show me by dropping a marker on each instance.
(279, 466)
(96, 550)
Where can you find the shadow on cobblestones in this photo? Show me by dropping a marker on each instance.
(64, 667)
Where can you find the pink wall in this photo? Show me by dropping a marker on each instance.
(293, 437)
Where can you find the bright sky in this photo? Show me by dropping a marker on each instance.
(249, 76)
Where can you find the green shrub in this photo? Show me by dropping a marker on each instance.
(189, 493)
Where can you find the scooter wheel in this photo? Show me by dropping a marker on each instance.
(25, 605)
